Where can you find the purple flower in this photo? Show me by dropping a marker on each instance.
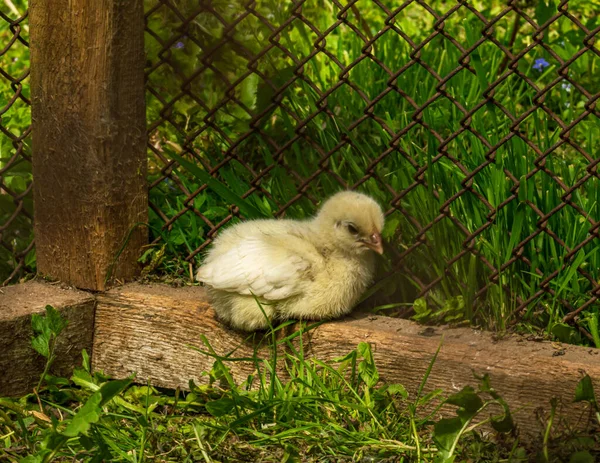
(566, 86)
(540, 64)
(179, 45)
(169, 183)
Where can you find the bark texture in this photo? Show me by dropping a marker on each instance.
(89, 138)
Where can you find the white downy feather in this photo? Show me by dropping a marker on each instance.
(257, 267)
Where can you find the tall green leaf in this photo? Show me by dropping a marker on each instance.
(248, 210)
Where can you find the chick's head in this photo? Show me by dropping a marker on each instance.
(352, 222)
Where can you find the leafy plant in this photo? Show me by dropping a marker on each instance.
(585, 393)
(318, 411)
(46, 331)
(449, 431)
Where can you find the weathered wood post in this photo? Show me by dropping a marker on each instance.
(89, 138)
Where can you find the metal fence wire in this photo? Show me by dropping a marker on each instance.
(474, 123)
(16, 209)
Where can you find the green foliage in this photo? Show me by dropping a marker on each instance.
(449, 431)
(220, 407)
(459, 177)
(366, 367)
(322, 411)
(220, 189)
(92, 410)
(46, 330)
(582, 456)
(511, 191)
(566, 333)
(585, 393)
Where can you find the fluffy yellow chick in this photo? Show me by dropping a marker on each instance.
(313, 269)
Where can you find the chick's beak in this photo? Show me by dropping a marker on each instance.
(375, 243)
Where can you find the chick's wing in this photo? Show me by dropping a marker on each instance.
(256, 266)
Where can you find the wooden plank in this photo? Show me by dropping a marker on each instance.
(148, 330)
(89, 138)
(20, 365)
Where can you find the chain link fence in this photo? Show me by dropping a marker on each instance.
(16, 208)
(474, 123)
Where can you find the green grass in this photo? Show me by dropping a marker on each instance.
(437, 174)
(340, 410)
(436, 187)
(316, 411)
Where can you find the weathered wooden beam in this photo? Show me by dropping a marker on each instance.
(148, 330)
(89, 138)
(20, 365)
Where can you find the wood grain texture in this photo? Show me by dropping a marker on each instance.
(148, 330)
(20, 365)
(89, 138)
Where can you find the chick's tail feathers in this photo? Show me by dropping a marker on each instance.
(202, 274)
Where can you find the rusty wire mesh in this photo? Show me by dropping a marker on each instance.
(16, 209)
(474, 124)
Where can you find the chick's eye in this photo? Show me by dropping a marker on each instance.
(352, 229)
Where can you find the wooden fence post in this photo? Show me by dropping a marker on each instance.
(89, 138)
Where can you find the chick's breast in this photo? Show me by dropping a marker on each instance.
(334, 289)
